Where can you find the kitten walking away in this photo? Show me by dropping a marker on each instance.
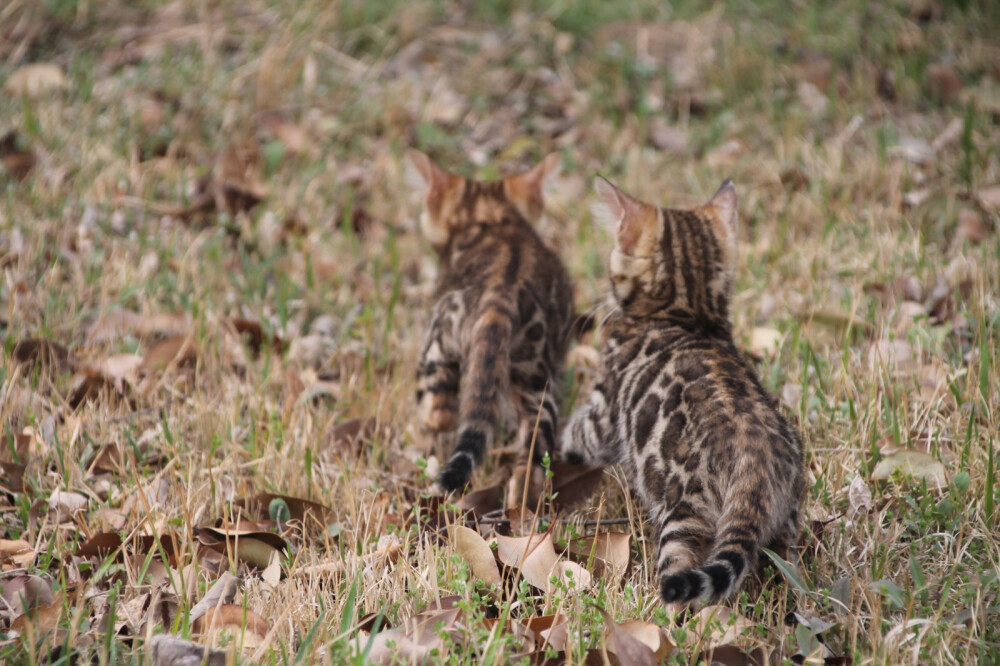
(501, 320)
(677, 404)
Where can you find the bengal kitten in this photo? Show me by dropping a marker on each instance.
(677, 404)
(501, 322)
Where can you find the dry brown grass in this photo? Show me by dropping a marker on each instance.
(863, 141)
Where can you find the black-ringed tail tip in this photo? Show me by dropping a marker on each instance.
(457, 472)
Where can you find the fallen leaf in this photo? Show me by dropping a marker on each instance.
(15, 554)
(970, 227)
(943, 82)
(415, 639)
(482, 501)
(22, 593)
(237, 619)
(46, 356)
(116, 325)
(628, 648)
(548, 631)
(717, 625)
(916, 463)
(914, 150)
(100, 545)
(113, 459)
(610, 551)
(731, 655)
(255, 548)
(650, 635)
(12, 477)
(252, 332)
(298, 508)
(989, 197)
(535, 557)
(177, 350)
(35, 79)
(840, 320)
(16, 161)
(68, 503)
(791, 395)
(123, 367)
(272, 572)
(859, 497)
(169, 650)
(666, 137)
(222, 592)
(353, 432)
(40, 619)
(95, 388)
(897, 356)
(472, 548)
(574, 484)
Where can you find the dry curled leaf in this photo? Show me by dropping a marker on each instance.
(44, 355)
(17, 162)
(254, 548)
(608, 552)
(859, 496)
(177, 350)
(238, 620)
(298, 508)
(472, 548)
(169, 650)
(628, 648)
(222, 592)
(35, 79)
(535, 557)
(916, 463)
(95, 388)
(22, 593)
(15, 554)
(574, 484)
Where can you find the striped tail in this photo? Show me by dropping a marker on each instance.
(733, 554)
(487, 376)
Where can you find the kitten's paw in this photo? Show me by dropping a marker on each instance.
(679, 588)
(574, 457)
(456, 473)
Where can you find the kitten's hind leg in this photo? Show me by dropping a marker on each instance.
(438, 370)
(486, 384)
(685, 538)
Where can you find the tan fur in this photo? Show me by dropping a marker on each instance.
(501, 321)
(718, 466)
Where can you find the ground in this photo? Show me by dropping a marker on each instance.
(213, 291)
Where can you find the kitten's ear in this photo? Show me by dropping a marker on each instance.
(723, 205)
(525, 190)
(425, 171)
(721, 209)
(626, 217)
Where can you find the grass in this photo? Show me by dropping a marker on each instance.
(849, 248)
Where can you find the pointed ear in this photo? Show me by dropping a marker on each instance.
(626, 217)
(723, 205)
(525, 190)
(433, 176)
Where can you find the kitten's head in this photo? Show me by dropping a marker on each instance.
(453, 202)
(677, 262)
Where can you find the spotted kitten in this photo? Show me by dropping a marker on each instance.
(501, 322)
(677, 404)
